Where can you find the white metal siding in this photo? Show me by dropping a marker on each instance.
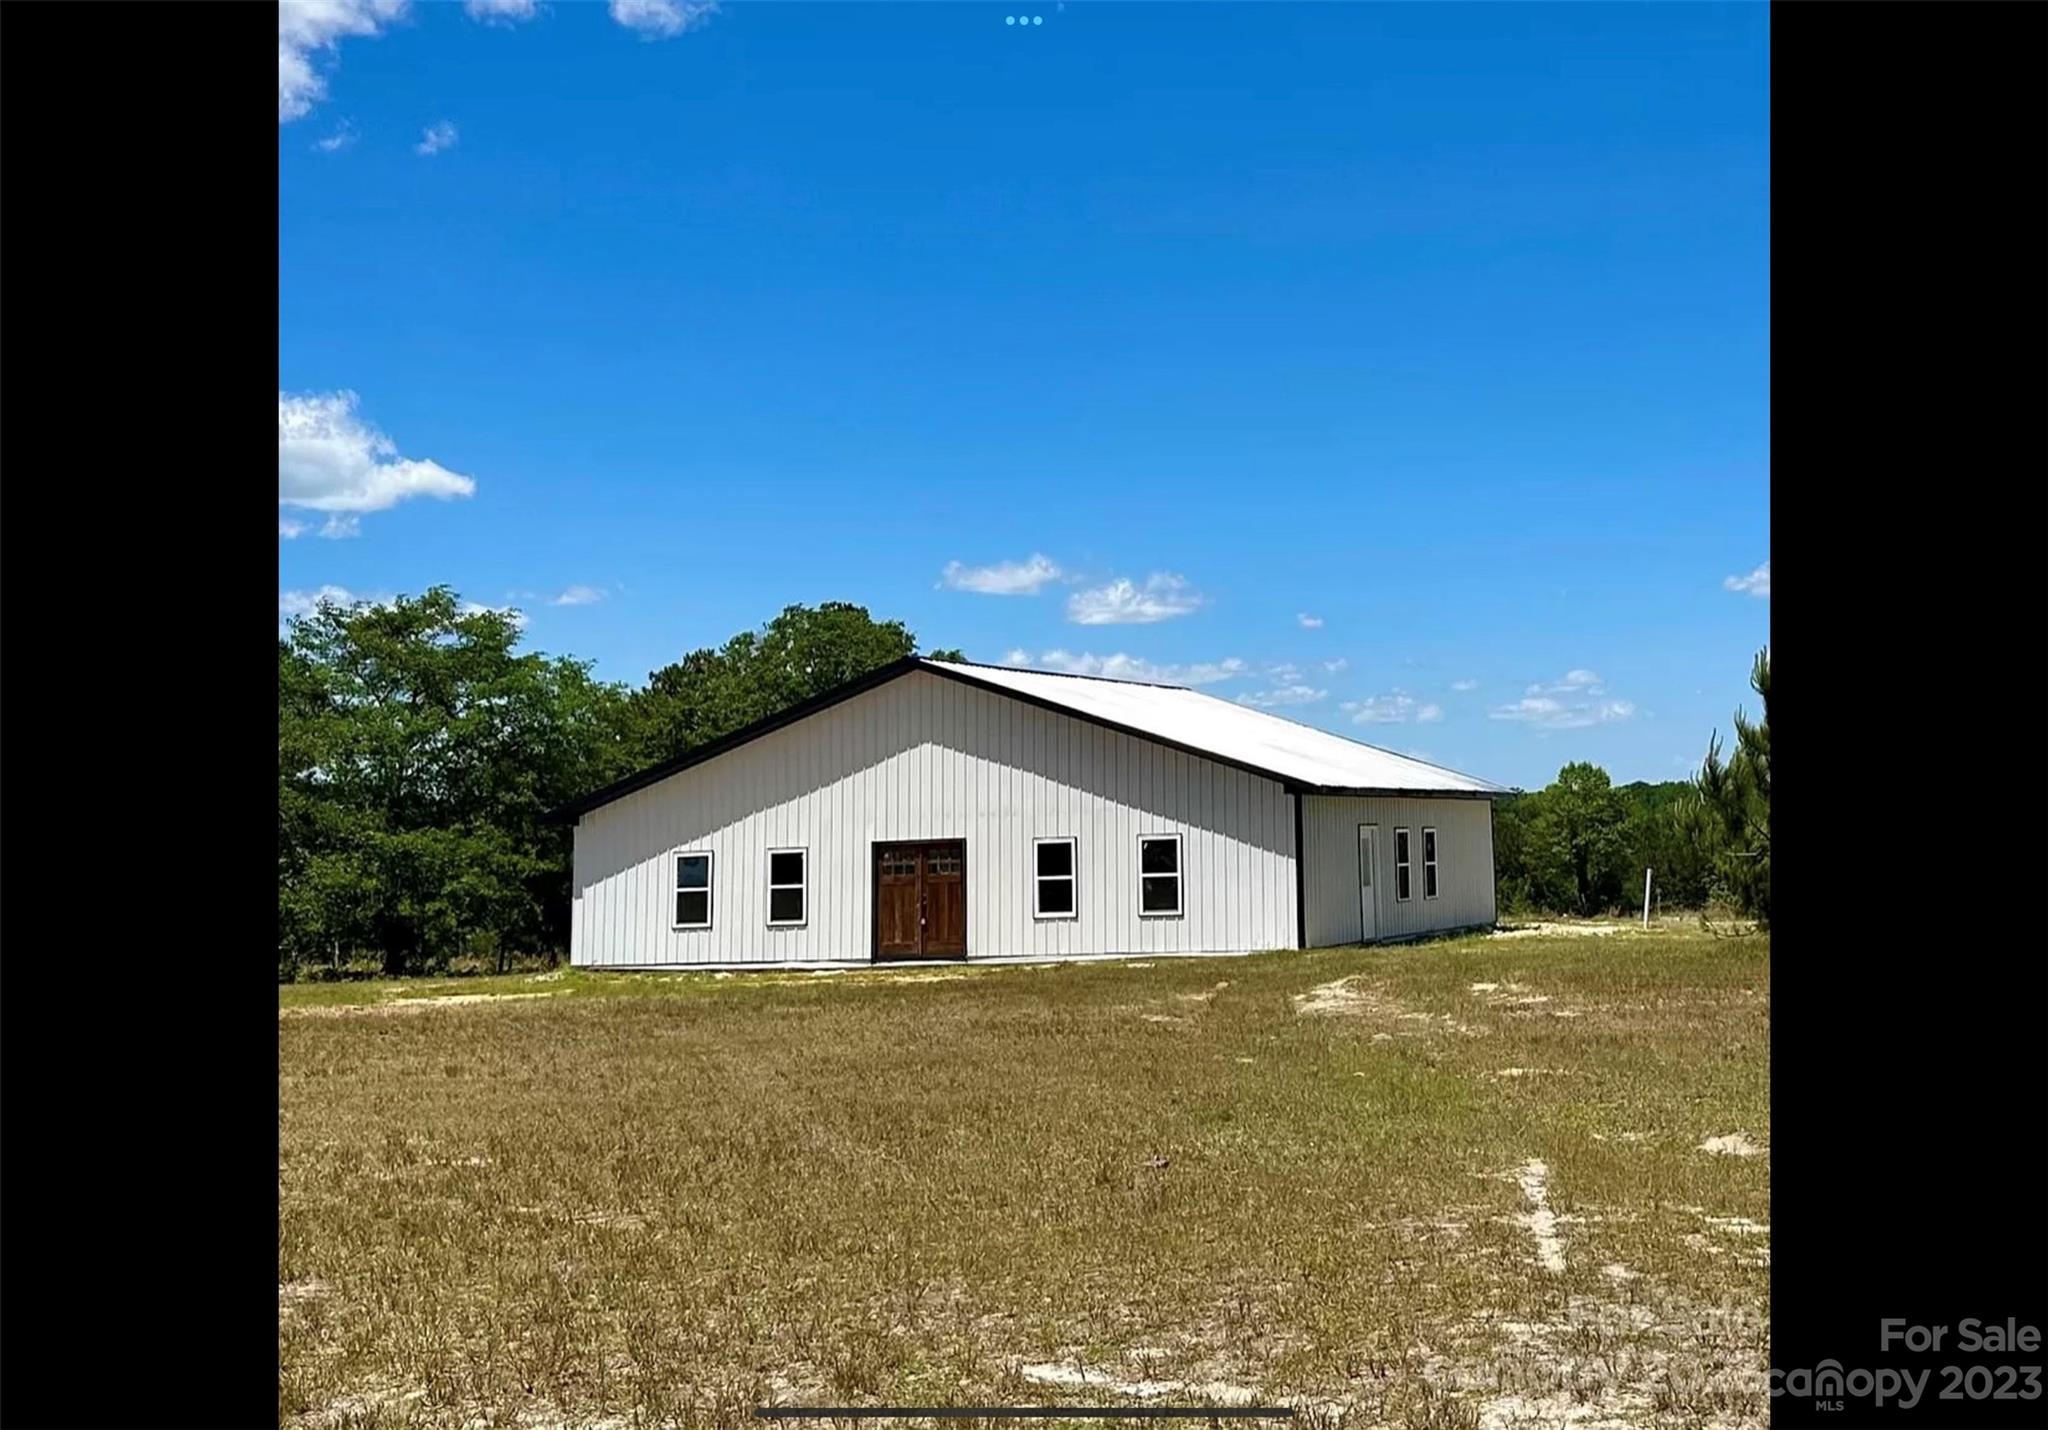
(1464, 858)
(924, 757)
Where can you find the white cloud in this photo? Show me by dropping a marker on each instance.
(1005, 578)
(307, 27)
(1573, 701)
(304, 603)
(1310, 622)
(1395, 708)
(1282, 695)
(578, 596)
(329, 460)
(290, 530)
(1123, 603)
(1757, 583)
(1333, 666)
(439, 135)
(662, 19)
(339, 139)
(1464, 685)
(340, 527)
(501, 12)
(478, 608)
(1130, 667)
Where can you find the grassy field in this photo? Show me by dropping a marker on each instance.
(1455, 1184)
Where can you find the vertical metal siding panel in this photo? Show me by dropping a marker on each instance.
(1262, 890)
(1201, 895)
(1173, 766)
(647, 825)
(1075, 799)
(843, 873)
(1098, 906)
(989, 916)
(1019, 721)
(1129, 820)
(1031, 755)
(1189, 933)
(997, 937)
(1238, 863)
(1045, 819)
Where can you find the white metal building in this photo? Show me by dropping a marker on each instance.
(941, 810)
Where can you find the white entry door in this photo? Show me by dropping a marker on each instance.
(1368, 883)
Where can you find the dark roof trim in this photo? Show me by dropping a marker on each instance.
(882, 675)
(1357, 792)
(655, 774)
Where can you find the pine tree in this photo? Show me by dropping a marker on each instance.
(1728, 817)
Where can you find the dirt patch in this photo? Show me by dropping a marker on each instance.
(1349, 998)
(1540, 1220)
(1734, 1144)
(408, 1005)
(1079, 1377)
(1548, 930)
(1514, 998)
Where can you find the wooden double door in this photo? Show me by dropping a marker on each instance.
(921, 899)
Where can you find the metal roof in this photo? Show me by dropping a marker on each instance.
(1297, 754)
(1303, 758)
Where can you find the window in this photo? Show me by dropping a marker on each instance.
(1053, 876)
(1402, 874)
(693, 891)
(1159, 875)
(788, 895)
(1429, 863)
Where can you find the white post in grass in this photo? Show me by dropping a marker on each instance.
(1646, 896)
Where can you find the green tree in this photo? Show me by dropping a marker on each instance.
(804, 652)
(417, 753)
(1578, 833)
(1728, 819)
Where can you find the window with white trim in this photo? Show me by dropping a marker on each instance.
(1403, 875)
(693, 891)
(1159, 876)
(1428, 863)
(789, 895)
(1053, 879)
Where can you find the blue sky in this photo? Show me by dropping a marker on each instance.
(1133, 340)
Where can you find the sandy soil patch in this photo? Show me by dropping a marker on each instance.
(408, 1005)
(1077, 1377)
(1547, 930)
(1348, 998)
(1733, 1144)
(1540, 1220)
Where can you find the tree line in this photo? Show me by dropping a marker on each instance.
(419, 750)
(1580, 844)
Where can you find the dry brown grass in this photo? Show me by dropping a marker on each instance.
(645, 1200)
